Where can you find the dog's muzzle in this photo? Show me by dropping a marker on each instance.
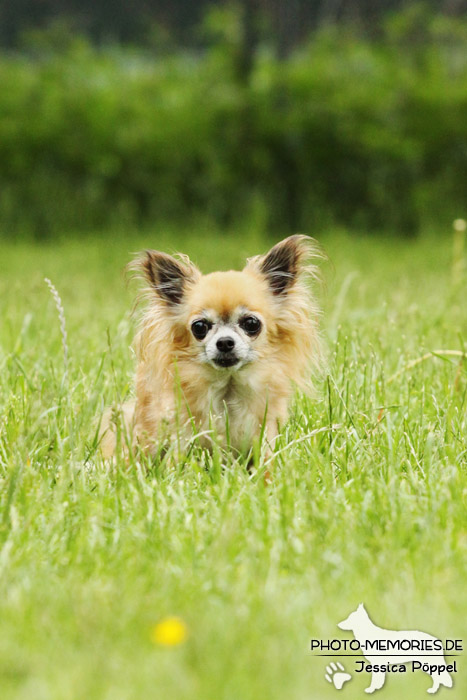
(226, 360)
(226, 356)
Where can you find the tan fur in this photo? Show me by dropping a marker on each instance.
(176, 392)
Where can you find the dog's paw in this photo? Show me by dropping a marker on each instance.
(337, 675)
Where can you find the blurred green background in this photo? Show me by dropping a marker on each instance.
(280, 116)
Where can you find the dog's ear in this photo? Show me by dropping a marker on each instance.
(168, 276)
(282, 265)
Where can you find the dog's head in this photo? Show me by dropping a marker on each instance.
(228, 320)
(356, 619)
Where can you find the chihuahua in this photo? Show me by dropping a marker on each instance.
(220, 354)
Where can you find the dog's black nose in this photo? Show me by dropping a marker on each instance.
(225, 344)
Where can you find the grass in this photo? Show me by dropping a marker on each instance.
(374, 510)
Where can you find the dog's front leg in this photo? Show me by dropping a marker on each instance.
(377, 681)
(271, 434)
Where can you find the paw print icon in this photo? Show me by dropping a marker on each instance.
(337, 675)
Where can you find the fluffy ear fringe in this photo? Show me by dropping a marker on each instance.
(167, 279)
(167, 276)
(289, 268)
(287, 263)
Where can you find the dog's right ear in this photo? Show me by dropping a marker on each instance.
(168, 276)
(284, 263)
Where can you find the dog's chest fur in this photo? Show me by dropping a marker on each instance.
(228, 401)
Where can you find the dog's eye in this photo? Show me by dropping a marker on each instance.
(250, 325)
(200, 329)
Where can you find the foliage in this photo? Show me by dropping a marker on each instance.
(346, 130)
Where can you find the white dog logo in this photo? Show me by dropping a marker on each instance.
(368, 635)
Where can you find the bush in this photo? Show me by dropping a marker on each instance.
(345, 131)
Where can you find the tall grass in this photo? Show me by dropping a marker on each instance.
(371, 506)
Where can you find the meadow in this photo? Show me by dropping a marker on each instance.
(367, 503)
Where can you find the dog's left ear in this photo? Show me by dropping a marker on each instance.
(169, 277)
(282, 265)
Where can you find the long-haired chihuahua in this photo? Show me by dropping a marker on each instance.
(221, 353)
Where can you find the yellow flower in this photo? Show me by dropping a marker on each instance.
(169, 632)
